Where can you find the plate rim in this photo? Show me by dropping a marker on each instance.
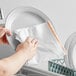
(38, 12)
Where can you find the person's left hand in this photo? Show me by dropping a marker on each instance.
(3, 32)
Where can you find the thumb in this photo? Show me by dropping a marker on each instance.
(2, 32)
(8, 32)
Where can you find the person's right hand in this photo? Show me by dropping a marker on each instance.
(28, 47)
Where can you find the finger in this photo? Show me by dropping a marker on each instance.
(4, 39)
(2, 32)
(34, 41)
(29, 39)
(7, 32)
(36, 44)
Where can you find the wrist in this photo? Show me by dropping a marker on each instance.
(24, 54)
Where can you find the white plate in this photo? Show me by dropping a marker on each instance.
(23, 17)
(70, 45)
(26, 17)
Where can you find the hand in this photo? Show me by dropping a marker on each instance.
(28, 47)
(3, 32)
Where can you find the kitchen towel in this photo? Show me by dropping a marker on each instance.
(46, 41)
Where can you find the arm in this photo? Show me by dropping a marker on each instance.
(24, 52)
(12, 64)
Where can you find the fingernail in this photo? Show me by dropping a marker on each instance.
(36, 42)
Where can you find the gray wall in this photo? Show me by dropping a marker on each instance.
(61, 12)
